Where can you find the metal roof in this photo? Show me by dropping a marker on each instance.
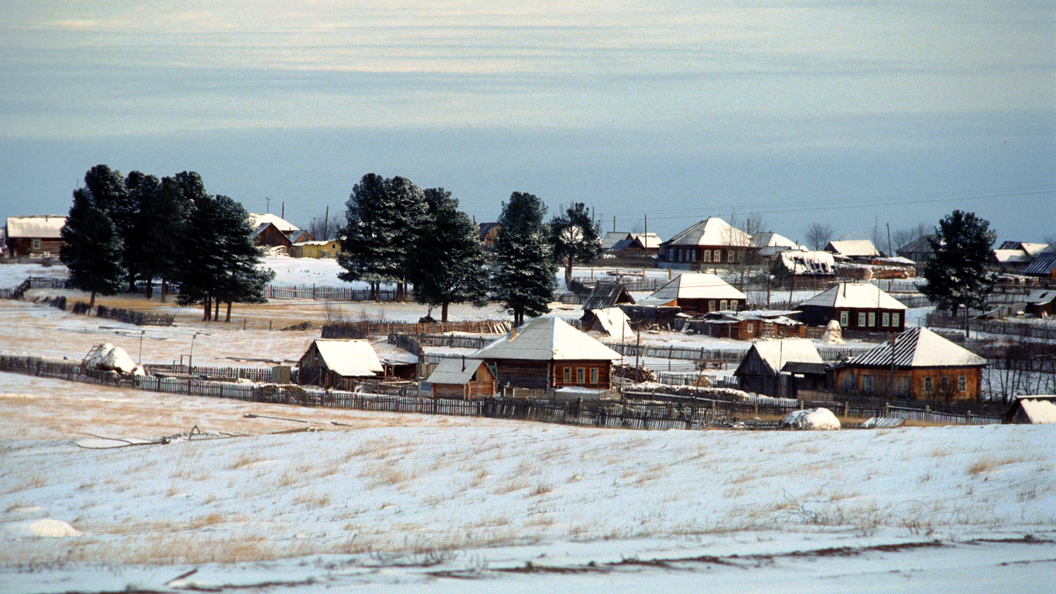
(605, 295)
(776, 353)
(547, 338)
(454, 371)
(856, 295)
(694, 285)
(1044, 263)
(711, 231)
(919, 347)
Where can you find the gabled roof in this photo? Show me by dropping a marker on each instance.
(921, 244)
(1043, 264)
(649, 241)
(1030, 248)
(300, 236)
(610, 238)
(816, 263)
(605, 295)
(1016, 256)
(546, 338)
(853, 248)
(348, 357)
(1037, 408)
(454, 371)
(919, 347)
(776, 353)
(36, 226)
(856, 295)
(771, 239)
(693, 285)
(256, 220)
(483, 229)
(711, 231)
(623, 244)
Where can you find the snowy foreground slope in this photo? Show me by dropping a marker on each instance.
(407, 502)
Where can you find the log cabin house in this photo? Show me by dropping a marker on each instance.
(35, 235)
(856, 306)
(549, 353)
(462, 378)
(921, 365)
(697, 293)
(767, 368)
(338, 363)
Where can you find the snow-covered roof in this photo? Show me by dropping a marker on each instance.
(711, 231)
(546, 338)
(649, 241)
(919, 347)
(1011, 257)
(817, 263)
(857, 295)
(775, 353)
(454, 371)
(853, 248)
(613, 322)
(693, 285)
(1038, 408)
(36, 226)
(256, 220)
(771, 239)
(349, 357)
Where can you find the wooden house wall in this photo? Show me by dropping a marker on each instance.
(23, 246)
(604, 374)
(702, 306)
(272, 237)
(694, 254)
(523, 374)
(876, 379)
(814, 315)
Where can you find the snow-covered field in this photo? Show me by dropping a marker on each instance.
(411, 502)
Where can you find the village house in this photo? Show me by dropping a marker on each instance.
(768, 245)
(861, 307)
(920, 365)
(338, 363)
(710, 243)
(1043, 266)
(751, 324)
(765, 368)
(316, 249)
(35, 235)
(267, 235)
(488, 233)
(697, 293)
(462, 378)
(549, 353)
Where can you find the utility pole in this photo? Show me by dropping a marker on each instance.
(268, 202)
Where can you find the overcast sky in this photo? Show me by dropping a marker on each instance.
(855, 114)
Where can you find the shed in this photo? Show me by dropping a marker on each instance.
(611, 321)
(762, 370)
(804, 269)
(1032, 409)
(549, 353)
(856, 306)
(462, 378)
(854, 249)
(337, 363)
(270, 236)
(605, 295)
(920, 365)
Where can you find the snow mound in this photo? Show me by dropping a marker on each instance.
(46, 528)
(811, 418)
(107, 357)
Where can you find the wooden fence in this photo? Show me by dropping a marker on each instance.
(139, 318)
(1042, 331)
(367, 328)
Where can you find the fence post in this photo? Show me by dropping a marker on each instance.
(927, 412)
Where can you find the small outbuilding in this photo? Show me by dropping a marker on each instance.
(1032, 409)
(764, 369)
(338, 363)
(462, 378)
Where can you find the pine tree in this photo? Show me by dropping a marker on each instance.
(524, 274)
(447, 263)
(92, 248)
(110, 194)
(956, 272)
(383, 218)
(241, 280)
(575, 239)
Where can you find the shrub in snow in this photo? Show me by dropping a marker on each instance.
(812, 418)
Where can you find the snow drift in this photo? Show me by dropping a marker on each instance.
(811, 418)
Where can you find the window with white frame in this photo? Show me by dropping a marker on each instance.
(593, 375)
(885, 319)
(718, 255)
(872, 319)
(568, 375)
(929, 385)
(580, 375)
(861, 320)
(707, 255)
(844, 319)
(894, 319)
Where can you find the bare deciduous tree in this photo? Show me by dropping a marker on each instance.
(819, 235)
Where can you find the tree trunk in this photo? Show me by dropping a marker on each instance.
(216, 311)
(150, 288)
(443, 313)
(91, 303)
(206, 305)
(164, 289)
(227, 319)
(568, 274)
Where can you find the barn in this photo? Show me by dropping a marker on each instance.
(462, 378)
(338, 363)
(765, 368)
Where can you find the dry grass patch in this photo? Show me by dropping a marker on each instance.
(509, 487)
(987, 464)
(540, 489)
